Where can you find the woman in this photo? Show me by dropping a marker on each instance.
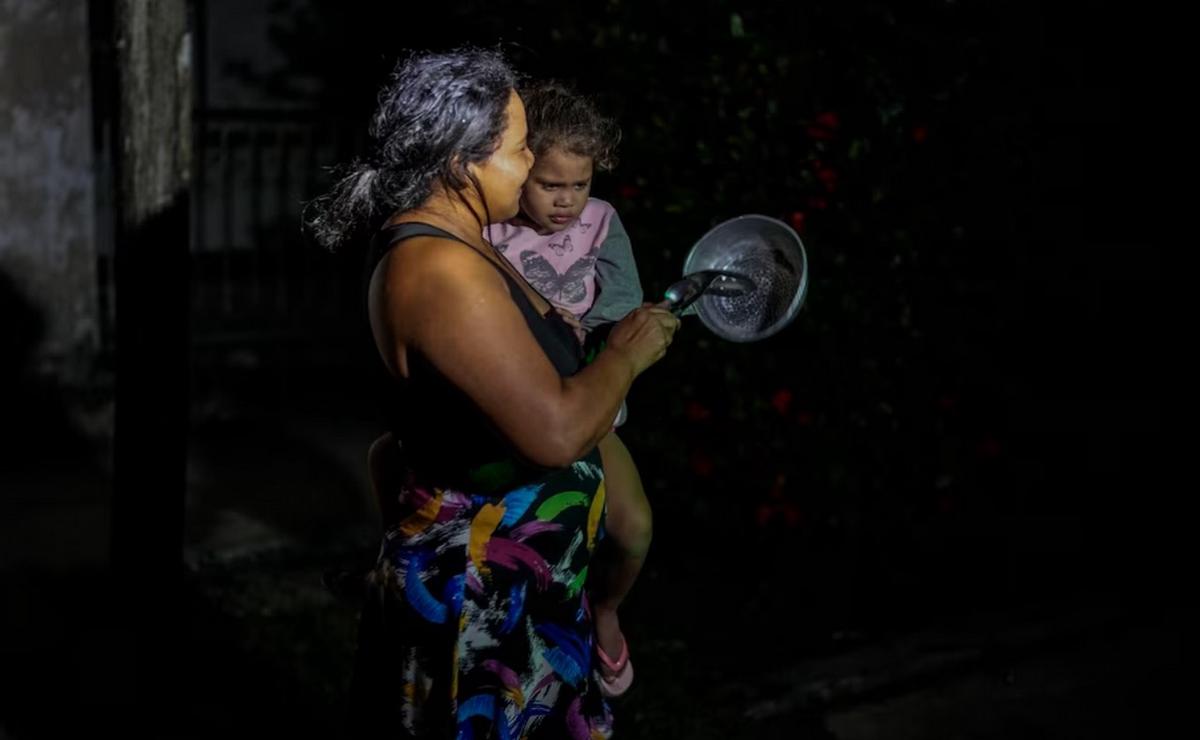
(477, 623)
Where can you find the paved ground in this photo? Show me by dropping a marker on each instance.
(258, 645)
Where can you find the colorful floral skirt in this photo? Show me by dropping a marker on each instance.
(477, 622)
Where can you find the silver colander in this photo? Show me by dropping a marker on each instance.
(746, 278)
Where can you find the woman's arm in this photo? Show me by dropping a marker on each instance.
(443, 300)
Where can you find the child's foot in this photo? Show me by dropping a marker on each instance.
(616, 670)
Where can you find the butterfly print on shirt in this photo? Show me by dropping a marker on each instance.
(567, 287)
(563, 247)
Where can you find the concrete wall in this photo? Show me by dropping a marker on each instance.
(47, 218)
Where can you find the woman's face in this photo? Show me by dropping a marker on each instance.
(502, 175)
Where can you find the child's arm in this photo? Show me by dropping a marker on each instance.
(618, 287)
(572, 322)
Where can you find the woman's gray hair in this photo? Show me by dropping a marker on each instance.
(440, 112)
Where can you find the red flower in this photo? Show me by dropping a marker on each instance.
(823, 126)
(819, 133)
(778, 505)
(782, 400)
(696, 411)
(947, 402)
(804, 418)
(797, 219)
(701, 465)
(766, 512)
(818, 203)
(828, 119)
(919, 134)
(828, 177)
(629, 192)
(990, 447)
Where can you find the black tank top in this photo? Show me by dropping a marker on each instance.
(447, 440)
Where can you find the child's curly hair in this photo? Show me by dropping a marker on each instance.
(559, 117)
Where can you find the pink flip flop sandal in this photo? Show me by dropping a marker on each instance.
(621, 668)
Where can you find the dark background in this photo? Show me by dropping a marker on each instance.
(961, 438)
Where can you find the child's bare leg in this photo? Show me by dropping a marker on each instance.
(629, 527)
(385, 470)
(385, 465)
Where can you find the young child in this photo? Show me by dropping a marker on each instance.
(573, 249)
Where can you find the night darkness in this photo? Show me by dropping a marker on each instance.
(940, 504)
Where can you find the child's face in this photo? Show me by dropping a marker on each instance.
(557, 190)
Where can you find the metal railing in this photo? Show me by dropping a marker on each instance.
(254, 274)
